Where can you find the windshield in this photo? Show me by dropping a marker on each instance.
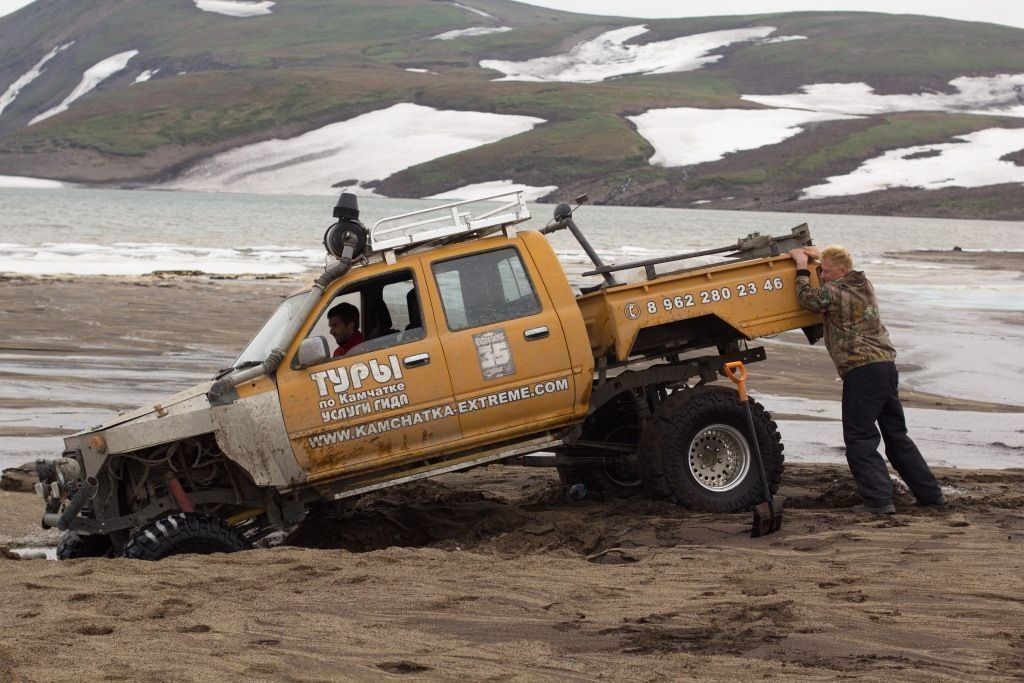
(256, 351)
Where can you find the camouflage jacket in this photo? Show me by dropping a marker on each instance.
(854, 333)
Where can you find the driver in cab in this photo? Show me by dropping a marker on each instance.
(343, 323)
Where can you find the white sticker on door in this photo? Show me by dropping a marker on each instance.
(494, 353)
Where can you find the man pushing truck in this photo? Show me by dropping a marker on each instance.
(865, 358)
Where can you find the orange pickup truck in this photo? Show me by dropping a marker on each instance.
(475, 350)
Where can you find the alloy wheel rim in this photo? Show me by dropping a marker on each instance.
(718, 458)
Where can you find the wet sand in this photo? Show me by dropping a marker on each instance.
(74, 351)
(490, 573)
(986, 260)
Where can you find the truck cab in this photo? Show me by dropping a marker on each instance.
(472, 343)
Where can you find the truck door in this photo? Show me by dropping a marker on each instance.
(506, 351)
(386, 399)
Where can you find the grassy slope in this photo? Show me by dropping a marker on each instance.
(320, 61)
(892, 53)
(27, 35)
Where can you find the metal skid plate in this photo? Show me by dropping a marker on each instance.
(448, 221)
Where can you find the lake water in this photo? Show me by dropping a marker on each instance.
(960, 326)
(120, 232)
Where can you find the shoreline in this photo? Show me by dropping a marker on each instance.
(981, 260)
(892, 203)
(92, 346)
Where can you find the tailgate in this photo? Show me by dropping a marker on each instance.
(696, 308)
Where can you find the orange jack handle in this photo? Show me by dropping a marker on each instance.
(737, 372)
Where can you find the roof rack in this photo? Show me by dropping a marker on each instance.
(450, 222)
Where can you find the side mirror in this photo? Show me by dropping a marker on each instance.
(313, 351)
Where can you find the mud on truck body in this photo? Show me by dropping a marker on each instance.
(477, 350)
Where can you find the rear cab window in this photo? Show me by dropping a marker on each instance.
(485, 288)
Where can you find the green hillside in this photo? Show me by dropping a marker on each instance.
(225, 82)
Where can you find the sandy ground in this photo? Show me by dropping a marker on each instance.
(488, 574)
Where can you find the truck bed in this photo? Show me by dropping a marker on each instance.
(696, 308)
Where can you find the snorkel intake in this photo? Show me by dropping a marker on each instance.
(345, 240)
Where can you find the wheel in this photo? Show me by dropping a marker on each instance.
(74, 545)
(181, 533)
(696, 451)
(614, 423)
(620, 478)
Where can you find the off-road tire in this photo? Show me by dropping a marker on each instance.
(615, 422)
(709, 415)
(182, 533)
(73, 546)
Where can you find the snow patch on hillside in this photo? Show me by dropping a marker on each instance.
(530, 193)
(1000, 95)
(607, 56)
(23, 182)
(92, 77)
(145, 76)
(235, 8)
(350, 154)
(474, 10)
(468, 32)
(972, 162)
(684, 136)
(32, 74)
(780, 39)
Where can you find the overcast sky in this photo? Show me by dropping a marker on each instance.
(1010, 12)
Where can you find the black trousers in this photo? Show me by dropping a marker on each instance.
(870, 395)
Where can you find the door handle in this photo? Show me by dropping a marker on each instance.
(416, 360)
(535, 333)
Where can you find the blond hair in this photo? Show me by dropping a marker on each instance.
(838, 255)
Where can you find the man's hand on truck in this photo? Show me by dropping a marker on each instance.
(802, 254)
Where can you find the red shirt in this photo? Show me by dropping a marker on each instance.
(354, 339)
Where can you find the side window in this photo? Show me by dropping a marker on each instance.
(450, 286)
(485, 288)
(372, 314)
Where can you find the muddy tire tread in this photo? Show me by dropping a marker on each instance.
(183, 532)
(662, 464)
(74, 546)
